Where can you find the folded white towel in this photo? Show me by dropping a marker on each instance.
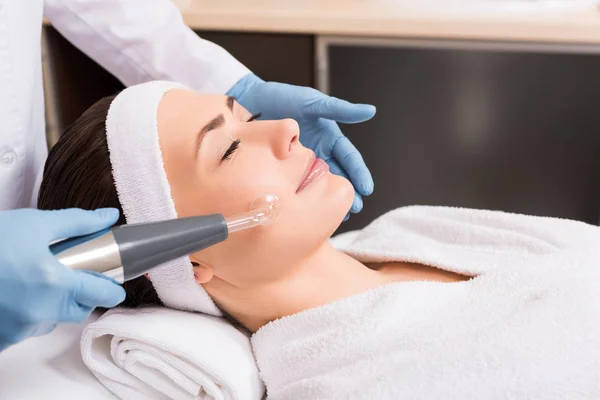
(160, 353)
(526, 327)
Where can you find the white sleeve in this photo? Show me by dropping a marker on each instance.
(142, 40)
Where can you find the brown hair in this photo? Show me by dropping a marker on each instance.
(78, 174)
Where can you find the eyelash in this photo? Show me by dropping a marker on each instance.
(234, 146)
(255, 116)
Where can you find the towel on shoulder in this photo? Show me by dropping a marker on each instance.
(526, 326)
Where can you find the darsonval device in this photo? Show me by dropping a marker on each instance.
(127, 251)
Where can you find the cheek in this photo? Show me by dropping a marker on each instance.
(232, 193)
(248, 179)
(268, 252)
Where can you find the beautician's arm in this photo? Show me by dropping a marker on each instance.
(143, 40)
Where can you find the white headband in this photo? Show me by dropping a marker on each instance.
(143, 188)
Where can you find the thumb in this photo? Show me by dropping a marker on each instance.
(339, 110)
(96, 290)
(72, 222)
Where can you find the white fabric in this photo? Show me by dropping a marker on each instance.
(143, 188)
(23, 147)
(136, 46)
(526, 327)
(159, 353)
(50, 367)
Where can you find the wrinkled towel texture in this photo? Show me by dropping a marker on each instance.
(527, 326)
(158, 353)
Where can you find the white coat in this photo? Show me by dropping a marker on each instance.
(136, 40)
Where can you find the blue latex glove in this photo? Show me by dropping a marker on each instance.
(36, 291)
(316, 113)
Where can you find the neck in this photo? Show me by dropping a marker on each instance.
(327, 275)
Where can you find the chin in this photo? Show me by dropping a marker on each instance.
(321, 212)
(329, 203)
(342, 195)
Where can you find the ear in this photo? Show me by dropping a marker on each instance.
(202, 273)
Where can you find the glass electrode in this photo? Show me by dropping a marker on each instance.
(262, 211)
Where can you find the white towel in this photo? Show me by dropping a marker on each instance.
(143, 188)
(160, 353)
(526, 327)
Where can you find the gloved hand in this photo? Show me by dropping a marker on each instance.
(36, 291)
(316, 113)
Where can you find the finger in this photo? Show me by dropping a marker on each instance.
(336, 168)
(76, 222)
(354, 165)
(339, 110)
(357, 204)
(95, 290)
(43, 329)
(101, 276)
(76, 313)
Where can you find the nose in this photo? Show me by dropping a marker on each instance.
(282, 136)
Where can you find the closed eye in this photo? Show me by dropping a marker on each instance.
(234, 146)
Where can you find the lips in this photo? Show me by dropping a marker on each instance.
(316, 168)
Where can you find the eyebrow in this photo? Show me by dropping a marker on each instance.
(215, 123)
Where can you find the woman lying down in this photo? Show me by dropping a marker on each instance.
(426, 302)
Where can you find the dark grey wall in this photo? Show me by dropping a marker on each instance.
(507, 131)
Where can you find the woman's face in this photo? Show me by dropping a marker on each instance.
(218, 160)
